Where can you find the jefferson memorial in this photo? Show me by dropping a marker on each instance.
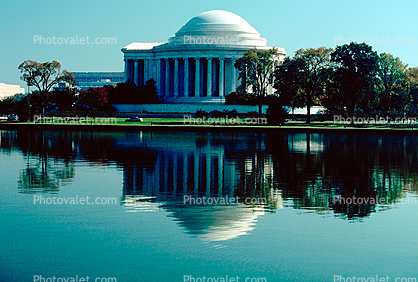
(197, 64)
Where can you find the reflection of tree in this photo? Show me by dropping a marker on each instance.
(38, 178)
(51, 154)
(42, 173)
(348, 166)
(255, 171)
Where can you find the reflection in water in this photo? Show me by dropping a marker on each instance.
(266, 172)
(45, 175)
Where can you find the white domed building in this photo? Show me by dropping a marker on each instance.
(197, 64)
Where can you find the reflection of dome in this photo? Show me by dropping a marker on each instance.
(222, 25)
(231, 223)
(216, 223)
(140, 203)
(207, 222)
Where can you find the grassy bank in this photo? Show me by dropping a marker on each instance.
(241, 125)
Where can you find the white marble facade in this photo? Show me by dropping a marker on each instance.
(197, 64)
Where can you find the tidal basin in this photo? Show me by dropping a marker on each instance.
(207, 206)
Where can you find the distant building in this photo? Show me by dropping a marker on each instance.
(8, 90)
(86, 80)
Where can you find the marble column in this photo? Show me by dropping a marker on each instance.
(146, 70)
(221, 78)
(136, 72)
(234, 77)
(167, 78)
(186, 77)
(176, 77)
(158, 76)
(131, 70)
(209, 90)
(126, 70)
(197, 78)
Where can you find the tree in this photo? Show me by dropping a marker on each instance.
(96, 99)
(44, 76)
(392, 80)
(303, 78)
(355, 75)
(17, 104)
(63, 99)
(286, 83)
(129, 93)
(276, 113)
(256, 72)
(412, 86)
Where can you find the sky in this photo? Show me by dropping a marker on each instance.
(26, 28)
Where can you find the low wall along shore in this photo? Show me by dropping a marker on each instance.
(129, 109)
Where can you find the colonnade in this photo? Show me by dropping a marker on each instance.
(178, 77)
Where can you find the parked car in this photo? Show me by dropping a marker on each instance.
(137, 119)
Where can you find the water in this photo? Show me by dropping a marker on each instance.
(288, 220)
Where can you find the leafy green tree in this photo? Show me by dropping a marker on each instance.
(256, 69)
(286, 83)
(392, 84)
(355, 75)
(412, 86)
(44, 76)
(302, 79)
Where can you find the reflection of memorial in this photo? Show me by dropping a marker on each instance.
(198, 165)
(306, 143)
(195, 164)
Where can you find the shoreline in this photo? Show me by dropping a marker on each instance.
(210, 128)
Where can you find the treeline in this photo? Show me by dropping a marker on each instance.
(351, 79)
(94, 101)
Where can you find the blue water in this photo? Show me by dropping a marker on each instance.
(149, 234)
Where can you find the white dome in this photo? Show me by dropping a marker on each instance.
(217, 25)
(216, 21)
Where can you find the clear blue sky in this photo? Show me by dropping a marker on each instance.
(289, 24)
